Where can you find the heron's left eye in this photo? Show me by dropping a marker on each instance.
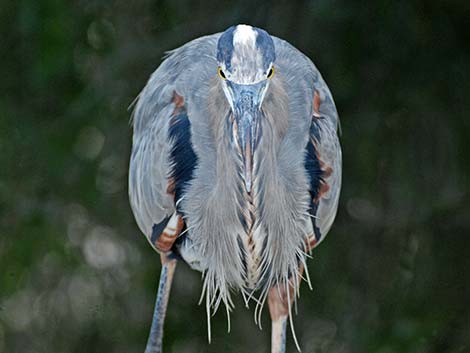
(271, 72)
(221, 73)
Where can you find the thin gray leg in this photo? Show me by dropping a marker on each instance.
(154, 343)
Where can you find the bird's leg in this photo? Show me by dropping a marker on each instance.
(280, 299)
(279, 311)
(154, 343)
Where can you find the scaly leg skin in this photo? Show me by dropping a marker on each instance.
(154, 343)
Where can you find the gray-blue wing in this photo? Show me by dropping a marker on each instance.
(322, 151)
(151, 200)
(327, 152)
(162, 159)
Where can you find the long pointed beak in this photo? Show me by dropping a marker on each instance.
(246, 106)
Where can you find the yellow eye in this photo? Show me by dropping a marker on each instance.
(221, 73)
(271, 72)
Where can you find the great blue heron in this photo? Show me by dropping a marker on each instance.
(235, 170)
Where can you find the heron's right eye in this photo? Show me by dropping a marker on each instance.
(271, 72)
(221, 74)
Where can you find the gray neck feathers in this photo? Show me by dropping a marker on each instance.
(252, 240)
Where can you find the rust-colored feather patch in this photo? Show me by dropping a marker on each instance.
(165, 241)
(170, 190)
(311, 243)
(178, 101)
(316, 104)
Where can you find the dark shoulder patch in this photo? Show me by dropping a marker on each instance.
(182, 157)
(312, 162)
(315, 173)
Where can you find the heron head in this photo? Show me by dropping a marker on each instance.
(245, 56)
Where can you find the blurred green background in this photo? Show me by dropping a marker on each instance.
(77, 276)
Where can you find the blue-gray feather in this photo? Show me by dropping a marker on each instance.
(266, 44)
(225, 47)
